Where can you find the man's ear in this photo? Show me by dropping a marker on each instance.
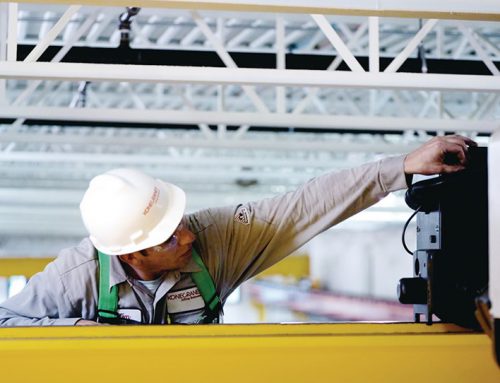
(130, 259)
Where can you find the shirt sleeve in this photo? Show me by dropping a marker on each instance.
(249, 238)
(63, 293)
(42, 302)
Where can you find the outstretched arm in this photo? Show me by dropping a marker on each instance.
(239, 242)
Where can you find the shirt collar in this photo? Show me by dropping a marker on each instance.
(116, 273)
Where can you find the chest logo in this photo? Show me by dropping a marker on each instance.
(242, 215)
(184, 300)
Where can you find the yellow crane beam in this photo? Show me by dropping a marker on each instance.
(296, 266)
(22, 266)
(248, 353)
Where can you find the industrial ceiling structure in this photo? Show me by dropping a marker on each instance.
(232, 100)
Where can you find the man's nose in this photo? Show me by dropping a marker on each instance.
(186, 237)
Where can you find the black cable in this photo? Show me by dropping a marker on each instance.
(421, 51)
(404, 230)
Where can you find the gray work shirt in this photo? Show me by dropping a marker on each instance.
(235, 243)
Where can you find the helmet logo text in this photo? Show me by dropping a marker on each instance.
(152, 200)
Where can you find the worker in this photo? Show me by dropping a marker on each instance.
(147, 262)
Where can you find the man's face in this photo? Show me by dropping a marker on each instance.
(173, 254)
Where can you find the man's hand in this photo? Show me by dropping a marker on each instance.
(85, 322)
(444, 154)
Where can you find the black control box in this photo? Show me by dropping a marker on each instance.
(451, 260)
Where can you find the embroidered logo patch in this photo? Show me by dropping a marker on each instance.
(184, 300)
(242, 215)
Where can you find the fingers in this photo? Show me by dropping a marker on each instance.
(462, 141)
(451, 168)
(454, 151)
(443, 154)
(459, 140)
(85, 322)
(469, 141)
(454, 154)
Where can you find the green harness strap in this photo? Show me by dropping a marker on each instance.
(108, 297)
(206, 285)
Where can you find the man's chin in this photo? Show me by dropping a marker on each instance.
(186, 257)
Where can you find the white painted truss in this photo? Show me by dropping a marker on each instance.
(253, 32)
(361, 104)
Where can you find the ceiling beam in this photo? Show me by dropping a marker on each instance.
(281, 142)
(245, 76)
(320, 60)
(306, 121)
(443, 9)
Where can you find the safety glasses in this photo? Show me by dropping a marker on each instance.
(171, 242)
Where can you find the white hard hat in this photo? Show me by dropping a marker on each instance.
(125, 210)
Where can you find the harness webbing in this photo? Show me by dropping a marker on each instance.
(205, 285)
(108, 297)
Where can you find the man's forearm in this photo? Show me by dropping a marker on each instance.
(11, 319)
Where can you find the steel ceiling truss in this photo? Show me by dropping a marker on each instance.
(223, 158)
(176, 29)
(345, 38)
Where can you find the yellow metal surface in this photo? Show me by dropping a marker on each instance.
(247, 353)
(296, 266)
(22, 266)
